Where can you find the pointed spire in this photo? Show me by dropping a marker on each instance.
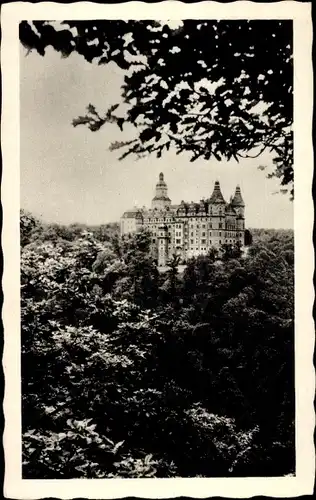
(237, 200)
(217, 196)
(161, 199)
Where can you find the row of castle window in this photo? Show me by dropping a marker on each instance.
(203, 241)
(211, 233)
(203, 226)
(220, 226)
(192, 212)
(191, 219)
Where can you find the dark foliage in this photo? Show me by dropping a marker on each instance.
(131, 373)
(214, 89)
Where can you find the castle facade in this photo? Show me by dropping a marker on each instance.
(188, 229)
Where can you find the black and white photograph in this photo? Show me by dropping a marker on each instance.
(157, 195)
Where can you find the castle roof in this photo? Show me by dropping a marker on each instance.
(189, 208)
(229, 210)
(237, 201)
(217, 196)
(161, 182)
(161, 197)
(132, 214)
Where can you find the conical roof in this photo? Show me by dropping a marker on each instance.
(237, 201)
(230, 210)
(217, 196)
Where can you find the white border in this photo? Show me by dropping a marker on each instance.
(302, 483)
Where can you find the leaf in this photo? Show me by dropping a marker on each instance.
(147, 134)
(81, 120)
(120, 122)
(113, 108)
(117, 446)
(217, 156)
(91, 109)
(189, 119)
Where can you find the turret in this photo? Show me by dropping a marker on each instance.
(217, 196)
(182, 210)
(201, 208)
(238, 203)
(192, 208)
(161, 200)
(163, 245)
(216, 202)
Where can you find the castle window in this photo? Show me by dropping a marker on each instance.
(220, 225)
(203, 225)
(203, 234)
(178, 242)
(219, 233)
(191, 241)
(220, 242)
(203, 242)
(210, 233)
(154, 241)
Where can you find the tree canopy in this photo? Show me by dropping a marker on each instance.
(128, 372)
(214, 89)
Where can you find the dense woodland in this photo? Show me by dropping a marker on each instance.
(128, 372)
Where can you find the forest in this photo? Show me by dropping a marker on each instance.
(128, 372)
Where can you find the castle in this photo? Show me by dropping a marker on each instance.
(188, 229)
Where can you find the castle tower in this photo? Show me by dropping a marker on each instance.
(238, 203)
(161, 200)
(217, 202)
(163, 245)
(239, 207)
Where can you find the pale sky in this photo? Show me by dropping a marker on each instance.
(69, 175)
